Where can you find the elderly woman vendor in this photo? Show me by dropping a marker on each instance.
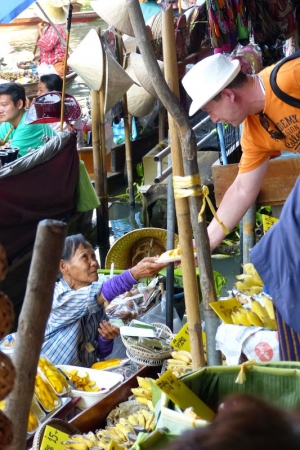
(77, 332)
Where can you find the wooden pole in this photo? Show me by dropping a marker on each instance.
(161, 122)
(62, 111)
(128, 151)
(189, 154)
(102, 211)
(35, 311)
(181, 204)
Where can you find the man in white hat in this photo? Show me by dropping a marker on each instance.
(52, 47)
(270, 125)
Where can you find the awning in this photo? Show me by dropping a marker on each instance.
(10, 9)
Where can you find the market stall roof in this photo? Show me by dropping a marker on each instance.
(9, 10)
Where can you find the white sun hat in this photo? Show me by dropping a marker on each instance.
(56, 10)
(115, 13)
(87, 60)
(207, 78)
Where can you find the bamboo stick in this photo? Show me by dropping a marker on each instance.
(189, 153)
(128, 152)
(32, 323)
(62, 111)
(181, 204)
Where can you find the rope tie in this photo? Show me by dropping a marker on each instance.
(190, 186)
(241, 378)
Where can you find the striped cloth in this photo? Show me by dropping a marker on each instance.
(289, 340)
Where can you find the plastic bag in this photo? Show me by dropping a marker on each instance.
(124, 308)
(158, 314)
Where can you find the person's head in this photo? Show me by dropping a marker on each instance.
(243, 422)
(78, 264)
(12, 102)
(214, 85)
(50, 82)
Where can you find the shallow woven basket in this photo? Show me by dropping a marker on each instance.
(148, 358)
(59, 424)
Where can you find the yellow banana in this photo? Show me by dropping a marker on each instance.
(76, 445)
(249, 269)
(244, 289)
(142, 400)
(270, 323)
(150, 405)
(82, 438)
(92, 437)
(142, 421)
(133, 420)
(187, 354)
(141, 392)
(176, 362)
(254, 319)
(242, 318)
(180, 356)
(144, 382)
(150, 423)
(235, 318)
(268, 303)
(249, 280)
(258, 309)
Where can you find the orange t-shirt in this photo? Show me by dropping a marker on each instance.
(257, 144)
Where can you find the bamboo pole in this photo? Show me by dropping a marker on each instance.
(181, 204)
(32, 323)
(128, 152)
(62, 111)
(189, 153)
(161, 122)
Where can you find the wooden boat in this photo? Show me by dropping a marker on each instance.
(31, 88)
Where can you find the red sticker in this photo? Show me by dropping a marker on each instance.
(264, 351)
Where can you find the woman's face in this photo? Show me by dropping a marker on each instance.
(82, 268)
(42, 89)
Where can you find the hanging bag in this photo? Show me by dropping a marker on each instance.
(293, 101)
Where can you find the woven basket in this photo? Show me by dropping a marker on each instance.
(148, 358)
(59, 424)
(145, 248)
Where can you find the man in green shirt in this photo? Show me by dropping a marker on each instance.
(13, 131)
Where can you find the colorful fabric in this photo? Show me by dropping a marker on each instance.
(257, 144)
(26, 136)
(52, 50)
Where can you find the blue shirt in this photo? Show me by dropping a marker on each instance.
(74, 320)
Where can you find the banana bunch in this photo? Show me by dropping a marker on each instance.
(82, 441)
(265, 313)
(143, 394)
(45, 394)
(249, 282)
(180, 363)
(53, 375)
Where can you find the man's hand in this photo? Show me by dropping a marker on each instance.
(147, 268)
(107, 330)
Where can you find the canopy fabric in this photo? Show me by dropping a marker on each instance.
(10, 9)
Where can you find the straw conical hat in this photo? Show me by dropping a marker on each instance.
(87, 60)
(117, 82)
(139, 102)
(56, 10)
(115, 13)
(140, 71)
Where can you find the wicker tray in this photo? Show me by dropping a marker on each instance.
(59, 424)
(148, 358)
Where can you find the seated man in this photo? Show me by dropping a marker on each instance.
(13, 131)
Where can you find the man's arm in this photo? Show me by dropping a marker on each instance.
(236, 201)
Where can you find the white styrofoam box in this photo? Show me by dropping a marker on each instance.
(104, 379)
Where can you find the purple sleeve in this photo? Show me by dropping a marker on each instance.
(105, 346)
(117, 285)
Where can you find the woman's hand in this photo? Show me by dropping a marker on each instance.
(147, 268)
(107, 330)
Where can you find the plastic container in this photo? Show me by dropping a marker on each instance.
(54, 377)
(105, 380)
(45, 394)
(37, 412)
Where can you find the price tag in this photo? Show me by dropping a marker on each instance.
(224, 309)
(182, 339)
(53, 438)
(268, 222)
(182, 396)
(114, 446)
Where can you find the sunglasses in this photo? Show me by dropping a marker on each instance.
(274, 133)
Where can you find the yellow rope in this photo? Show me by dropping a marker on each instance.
(241, 378)
(3, 141)
(190, 186)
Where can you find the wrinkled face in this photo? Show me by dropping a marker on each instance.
(42, 89)
(82, 268)
(225, 110)
(9, 112)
